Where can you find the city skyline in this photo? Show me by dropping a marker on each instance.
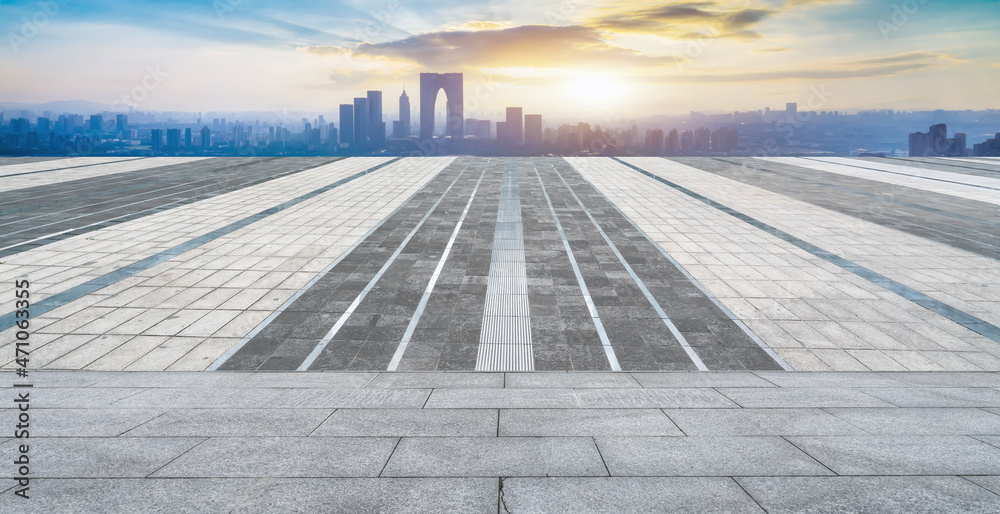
(567, 58)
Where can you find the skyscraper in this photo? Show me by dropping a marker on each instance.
(187, 138)
(791, 109)
(430, 84)
(347, 123)
(156, 139)
(206, 138)
(376, 127)
(96, 123)
(173, 138)
(401, 128)
(361, 122)
(533, 130)
(121, 122)
(515, 124)
(702, 139)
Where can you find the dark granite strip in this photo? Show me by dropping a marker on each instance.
(58, 300)
(962, 318)
(291, 336)
(712, 334)
(969, 225)
(447, 336)
(83, 213)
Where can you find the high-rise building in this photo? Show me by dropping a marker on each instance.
(156, 139)
(96, 123)
(724, 140)
(515, 125)
(483, 129)
(402, 129)
(361, 122)
(654, 142)
(43, 125)
(376, 127)
(791, 109)
(702, 140)
(173, 139)
(346, 123)
(935, 143)
(121, 122)
(673, 143)
(206, 138)
(988, 148)
(687, 142)
(331, 136)
(533, 130)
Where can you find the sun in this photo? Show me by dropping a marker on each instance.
(596, 89)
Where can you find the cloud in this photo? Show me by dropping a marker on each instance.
(476, 25)
(690, 20)
(862, 68)
(540, 46)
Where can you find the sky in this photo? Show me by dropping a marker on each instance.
(570, 59)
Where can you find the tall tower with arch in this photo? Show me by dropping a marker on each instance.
(430, 84)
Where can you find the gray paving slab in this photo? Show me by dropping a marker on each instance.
(752, 422)
(153, 496)
(901, 455)
(578, 379)
(81, 398)
(988, 482)
(814, 379)
(249, 457)
(439, 380)
(625, 494)
(220, 422)
(309, 380)
(706, 456)
(802, 397)
(68, 379)
(194, 398)
(410, 422)
(495, 457)
(416, 495)
(353, 399)
(177, 379)
(589, 422)
(937, 396)
(869, 494)
(101, 422)
(101, 457)
(708, 379)
(666, 398)
(948, 379)
(922, 421)
(502, 399)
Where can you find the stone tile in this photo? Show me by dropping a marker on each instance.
(404, 495)
(249, 457)
(705, 456)
(921, 421)
(801, 397)
(991, 483)
(153, 496)
(589, 422)
(579, 380)
(752, 422)
(948, 379)
(496, 457)
(830, 379)
(439, 380)
(232, 422)
(86, 398)
(98, 422)
(868, 494)
(308, 380)
(106, 457)
(46, 379)
(157, 379)
(667, 398)
(902, 455)
(701, 379)
(353, 399)
(938, 396)
(625, 494)
(410, 422)
(502, 399)
(196, 398)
